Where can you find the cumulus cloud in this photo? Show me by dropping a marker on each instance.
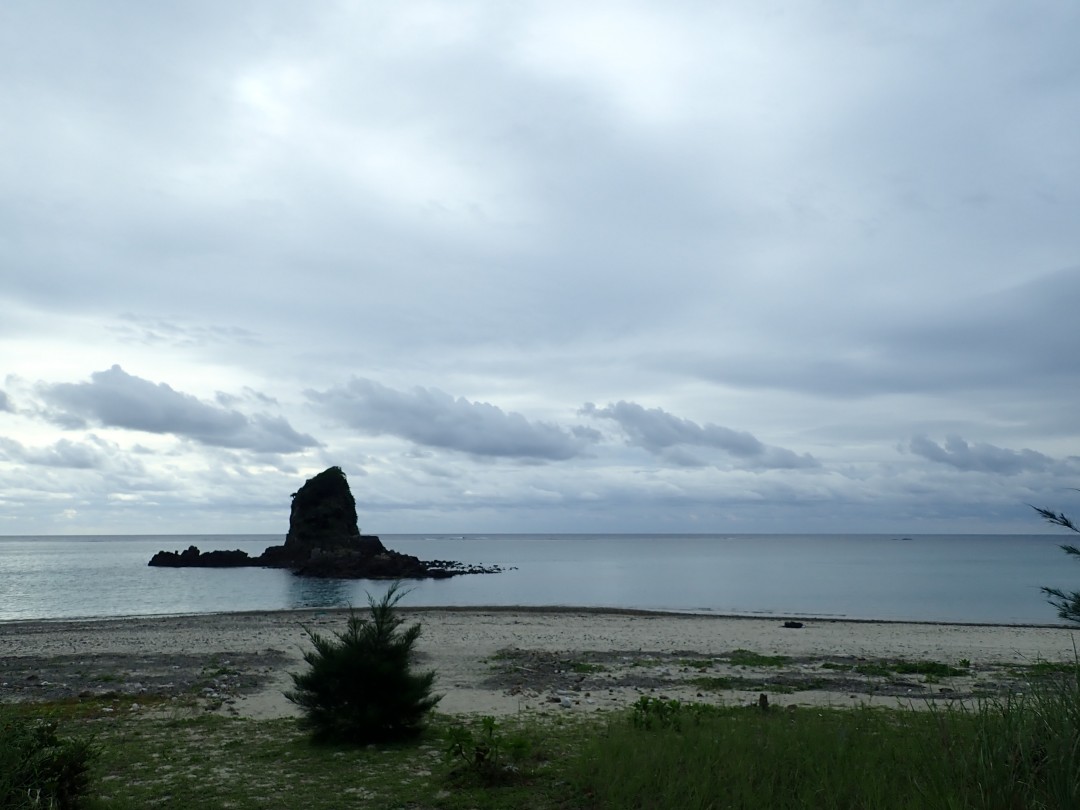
(669, 436)
(5, 403)
(114, 398)
(982, 457)
(435, 419)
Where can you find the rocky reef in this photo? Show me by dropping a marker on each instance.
(324, 540)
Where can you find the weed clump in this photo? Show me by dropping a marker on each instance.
(360, 687)
(487, 753)
(38, 768)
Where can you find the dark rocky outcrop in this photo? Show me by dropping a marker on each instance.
(323, 514)
(191, 557)
(325, 541)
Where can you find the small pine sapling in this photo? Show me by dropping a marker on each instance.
(360, 687)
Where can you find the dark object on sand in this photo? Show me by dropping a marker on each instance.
(324, 541)
(793, 625)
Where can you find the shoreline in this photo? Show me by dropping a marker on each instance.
(506, 660)
(580, 609)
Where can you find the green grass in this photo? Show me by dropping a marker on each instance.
(1043, 669)
(1019, 751)
(719, 683)
(934, 669)
(885, 669)
(210, 762)
(747, 658)
(723, 683)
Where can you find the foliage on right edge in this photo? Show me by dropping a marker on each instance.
(360, 687)
(1067, 604)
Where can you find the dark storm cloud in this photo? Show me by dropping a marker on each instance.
(433, 418)
(115, 398)
(666, 435)
(982, 457)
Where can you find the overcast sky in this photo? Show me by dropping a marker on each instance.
(552, 266)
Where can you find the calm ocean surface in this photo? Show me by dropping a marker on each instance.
(953, 578)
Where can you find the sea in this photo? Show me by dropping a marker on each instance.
(975, 579)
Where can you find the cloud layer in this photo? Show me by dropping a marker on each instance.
(814, 267)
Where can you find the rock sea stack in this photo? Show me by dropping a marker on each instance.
(324, 541)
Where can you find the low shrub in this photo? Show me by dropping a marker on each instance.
(38, 767)
(487, 751)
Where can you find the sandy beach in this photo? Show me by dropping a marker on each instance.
(504, 661)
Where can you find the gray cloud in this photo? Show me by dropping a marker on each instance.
(664, 434)
(970, 339)
(94, 453)
(791, 214)
(163, 333)
(433, 418)
(114, 398)
(63, 453)
(986, 458)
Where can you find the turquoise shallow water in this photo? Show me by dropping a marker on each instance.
(952, 578)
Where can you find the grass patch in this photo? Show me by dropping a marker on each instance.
(718, 683)
(724, 683)
(762, 759)
(934, 669)
(1044, 669)
(747, 658)
(210, 762)
(1022, 750)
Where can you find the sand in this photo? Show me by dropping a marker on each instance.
(503, 661)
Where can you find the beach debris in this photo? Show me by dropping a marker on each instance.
(793, 625)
